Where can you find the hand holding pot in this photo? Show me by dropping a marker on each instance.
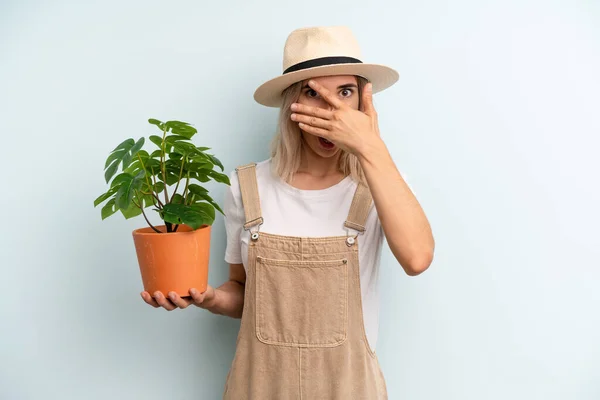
(173, 301)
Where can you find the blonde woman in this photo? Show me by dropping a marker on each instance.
(305, 230)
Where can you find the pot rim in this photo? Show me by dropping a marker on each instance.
(138, 230)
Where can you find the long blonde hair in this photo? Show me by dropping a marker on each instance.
(286, 147)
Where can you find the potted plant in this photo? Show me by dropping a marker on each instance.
(173, 256)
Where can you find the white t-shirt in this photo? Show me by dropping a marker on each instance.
(308, 213)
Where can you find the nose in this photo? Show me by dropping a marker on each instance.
(327, 106)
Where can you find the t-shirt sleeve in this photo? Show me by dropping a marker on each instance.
(234, 220)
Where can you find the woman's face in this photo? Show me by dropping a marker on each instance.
(346, 89)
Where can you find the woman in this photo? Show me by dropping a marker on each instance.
(307, 297)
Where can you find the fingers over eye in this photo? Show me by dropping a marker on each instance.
(326, 94)
(315, 131)
(313, 121)
(312, 111)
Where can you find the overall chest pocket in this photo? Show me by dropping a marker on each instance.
(301, 303)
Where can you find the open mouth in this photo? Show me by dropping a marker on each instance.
(326, 144)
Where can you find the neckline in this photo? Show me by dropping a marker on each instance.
(312, 193)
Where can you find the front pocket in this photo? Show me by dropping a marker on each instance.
(301, 303)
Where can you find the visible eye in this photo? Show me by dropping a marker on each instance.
(346, 92)
(311, 93)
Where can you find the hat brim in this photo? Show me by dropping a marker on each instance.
(270, 93)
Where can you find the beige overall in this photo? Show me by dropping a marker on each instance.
(302, 335)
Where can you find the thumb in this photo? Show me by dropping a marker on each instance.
(368, 107)
(198, 296)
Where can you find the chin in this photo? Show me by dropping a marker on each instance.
(328, 154)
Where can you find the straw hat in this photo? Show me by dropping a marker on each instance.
(322, 51)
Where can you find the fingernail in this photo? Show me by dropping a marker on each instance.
(156, 295)
(193, 291)
(172, 296)
(294, 117)
(311, 82)
(294, 106)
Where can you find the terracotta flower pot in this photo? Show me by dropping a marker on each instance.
(175, 261)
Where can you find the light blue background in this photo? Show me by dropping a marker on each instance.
(495, 122)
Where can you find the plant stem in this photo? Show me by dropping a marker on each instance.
(177, 186)
(154, 196)
(162, 164)
(180, 172)
(148, 183)
(145, 217)
(187, 182)
(151, 226)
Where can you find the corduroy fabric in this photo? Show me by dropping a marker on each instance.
(302, 334)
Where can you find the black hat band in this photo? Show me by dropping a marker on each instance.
(320, 62)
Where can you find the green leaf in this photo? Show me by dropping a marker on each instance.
(195, 216)
(127, 190)
(200, 177)
(181, 128)
(219, 177)
(148, 200)
(105, 196)
(153, 166)
(205, 208)
(125, 145)
(175, 138)
(216, 161)
(138, 165)
(112, 157)
(184, 148)
(159, 187)
(108, 209)
(132, 152)
(134, 168)
(158, 123)
(110, 171)
(155, 153)
(123, 177)
(172, 178)
(121, 153)
(202, 157)
(157, 140)
(199, 167)
(196, 189)
(143, 154)
(173, 166)
(206, 197)
(177, 199)
(132, 210)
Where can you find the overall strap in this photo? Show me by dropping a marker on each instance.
(359, 210)
(250, 199)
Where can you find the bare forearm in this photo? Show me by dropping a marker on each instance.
(406, 227)
(228, 300)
